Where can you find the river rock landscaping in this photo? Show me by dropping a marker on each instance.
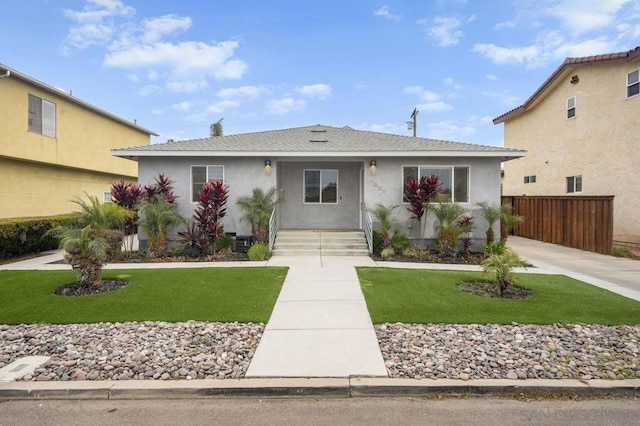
(207, 350)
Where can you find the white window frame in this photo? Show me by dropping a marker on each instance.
(569, 108)
(453, 180)
(206, 166)
(48, 117)
(106, 197)
(575, 178)
(530, 179)
(635, 83)
(304, 187)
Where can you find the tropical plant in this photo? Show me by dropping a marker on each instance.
(257, 209)
(509, 219)
(501, 267)
(192, 239)
(384, 216)
(495, 247)
(162, 188)
(448, 229)
(128, 195)
(419, 193)
(216, 128)
(160, 216)
(210, 212)
(491, 214)
(400, 241)
(387, 252)
(466, 225)
(87, 245)
(258, 251)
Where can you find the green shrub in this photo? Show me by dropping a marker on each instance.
(378, 242)
(622, 252)
(24, 236)
(495, 247)
(225, 243)
(259, 251)
(400, 241)
(411, 252)
(387, 252)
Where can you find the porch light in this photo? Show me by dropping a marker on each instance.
(267, 166)
(372, 167)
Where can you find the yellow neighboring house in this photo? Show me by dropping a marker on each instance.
(54, 147)
(581, 131)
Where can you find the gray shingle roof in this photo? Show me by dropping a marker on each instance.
(312, 139)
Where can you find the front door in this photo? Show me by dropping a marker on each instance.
(319, 195)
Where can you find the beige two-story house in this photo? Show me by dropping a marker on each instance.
(54, 147)
(581, 131)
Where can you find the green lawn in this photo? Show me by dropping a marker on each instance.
(427, 296)
(205, 294)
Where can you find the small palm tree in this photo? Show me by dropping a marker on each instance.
(159, 217)
(501, 266)
(491, 214)
(509, 219)
(384, 215)
(87, 248)
(257, 209)
(449, 230)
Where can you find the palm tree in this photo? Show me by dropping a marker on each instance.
(216, 128)
(257, 209)
(509, 219)
(501, 266)
(87, 248)
(448, 229)
(159, 217)
(383, 215)
(491, 214)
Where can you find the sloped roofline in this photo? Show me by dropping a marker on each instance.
(569, 63)
(32, 81)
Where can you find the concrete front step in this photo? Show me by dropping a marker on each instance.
(327, 243)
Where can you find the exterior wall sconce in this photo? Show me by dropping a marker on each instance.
(267, 166)
(372, 167)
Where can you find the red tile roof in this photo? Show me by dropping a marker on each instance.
(569, 63)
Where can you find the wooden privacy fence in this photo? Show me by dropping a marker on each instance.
(582, 222)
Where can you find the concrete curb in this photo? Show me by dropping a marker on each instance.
(303, 387)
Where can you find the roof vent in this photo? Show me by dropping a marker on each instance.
(318, 130)
(318, 140)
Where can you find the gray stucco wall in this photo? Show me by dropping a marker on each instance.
(295, 214)
(384, 186)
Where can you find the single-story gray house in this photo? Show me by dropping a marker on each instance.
(326, 176)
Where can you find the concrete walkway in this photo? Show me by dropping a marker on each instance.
(320, 326)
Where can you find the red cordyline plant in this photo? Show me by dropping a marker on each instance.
(210, 212)
(128, 195)
(420, 193)
(162, 188)
(466, 225)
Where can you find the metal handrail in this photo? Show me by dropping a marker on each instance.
(367, 226)
(273, 226)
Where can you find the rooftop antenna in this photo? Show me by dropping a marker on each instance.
(413, 124)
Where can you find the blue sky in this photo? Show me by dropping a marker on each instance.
(178, 66)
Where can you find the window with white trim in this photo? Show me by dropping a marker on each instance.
(530, 179)
(41, 116)
(321, 186)
(106, 197)
(201, 175)
(574, 184)
(571, 107)
(454, 181)
(633, 83)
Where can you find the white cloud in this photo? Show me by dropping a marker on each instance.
(157, 111)
(505, 24)
(148, 89)
(508, 55)
(250, 92)
(582, 16)
(186, 86)
(98, 10)
(222, 106)
(184, 106)
(183, 58)
(451, 83)
(156, 28)
(393, 128)
(431, 101)
(385, 13)
(448, 130)
(445, 30)
(284, 105)
(320, 91)
(491, 77)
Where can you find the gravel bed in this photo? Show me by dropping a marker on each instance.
(199, 350)
(134, 350)
(557, 351)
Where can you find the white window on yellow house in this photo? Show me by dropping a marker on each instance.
(106, 197)
(41, 116)
(633, 83)
(530, 179)
(201, 175)
(571, 107)
(574, 184)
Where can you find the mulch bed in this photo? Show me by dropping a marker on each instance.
(433, 257)
(486, 289)
(76, 289)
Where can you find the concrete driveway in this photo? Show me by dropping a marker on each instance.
(616, 274)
